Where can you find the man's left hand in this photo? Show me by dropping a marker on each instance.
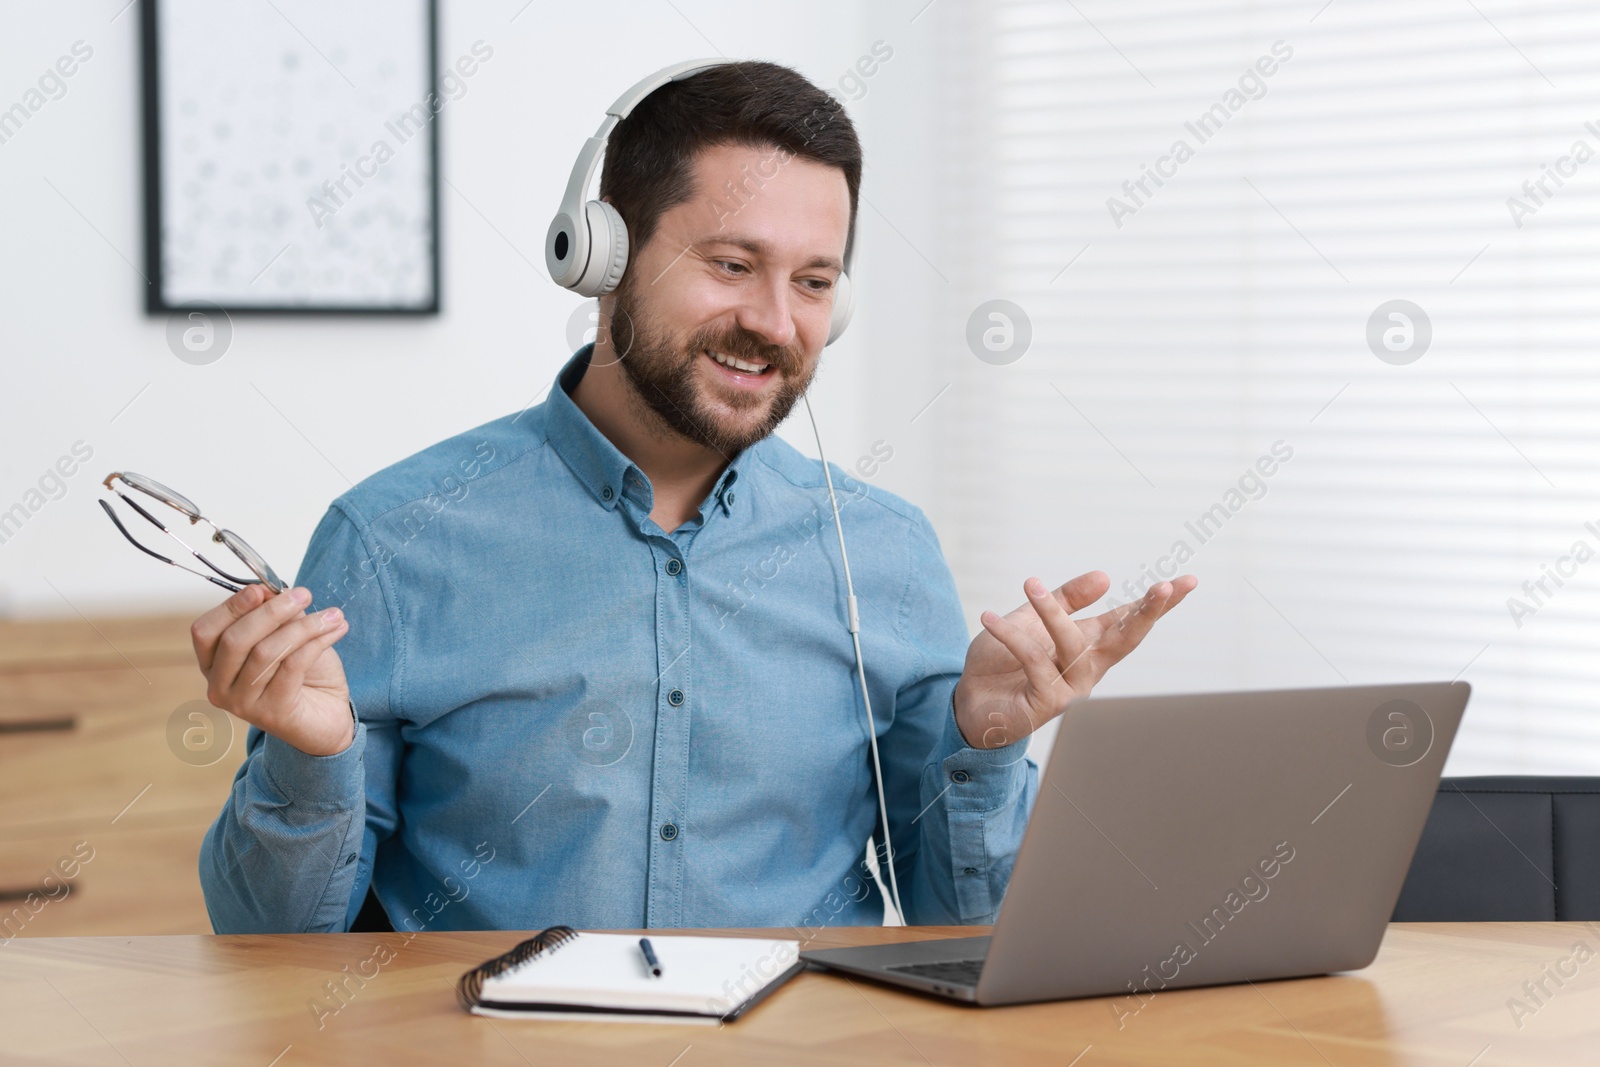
(1030, 664)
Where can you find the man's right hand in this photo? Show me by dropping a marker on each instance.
(272, 665)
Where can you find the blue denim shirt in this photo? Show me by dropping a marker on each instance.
(568, 715)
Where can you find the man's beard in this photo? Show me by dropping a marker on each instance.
(663, 376)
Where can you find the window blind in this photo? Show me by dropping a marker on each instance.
(1206, 215)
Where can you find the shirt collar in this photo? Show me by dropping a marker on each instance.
(604, 471)
(602, 468)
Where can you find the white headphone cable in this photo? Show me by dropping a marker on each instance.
(861, 670)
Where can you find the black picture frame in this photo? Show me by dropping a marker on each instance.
(157, 296)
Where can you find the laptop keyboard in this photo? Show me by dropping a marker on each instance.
(956, 972)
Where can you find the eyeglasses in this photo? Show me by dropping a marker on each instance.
(264, 575)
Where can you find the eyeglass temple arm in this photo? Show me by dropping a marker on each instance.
(232, 588)
(134, 504)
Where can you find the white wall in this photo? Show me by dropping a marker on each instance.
(299, 408)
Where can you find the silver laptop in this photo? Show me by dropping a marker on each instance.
(1200, 839)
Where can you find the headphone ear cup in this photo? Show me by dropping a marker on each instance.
(566, 250)
(608, 249)
(844, 303)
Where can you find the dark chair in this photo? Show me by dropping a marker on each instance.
(1494, 849)
(371, 919)
(1507, 849)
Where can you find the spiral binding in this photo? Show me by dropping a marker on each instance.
(469, 989)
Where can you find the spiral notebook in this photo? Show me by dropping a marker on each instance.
(564, 974)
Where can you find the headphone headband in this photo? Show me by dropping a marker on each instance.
(588, 161)
(586, 246)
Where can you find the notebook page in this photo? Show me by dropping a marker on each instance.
(710, 975)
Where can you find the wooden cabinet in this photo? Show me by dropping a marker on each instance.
(93, 763)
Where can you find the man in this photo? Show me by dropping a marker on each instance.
(597, 650)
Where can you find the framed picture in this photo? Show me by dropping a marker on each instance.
(291, 156)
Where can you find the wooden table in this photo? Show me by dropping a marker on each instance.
(1438, 994)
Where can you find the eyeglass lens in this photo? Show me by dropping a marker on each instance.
(169, 497)
(252, 559)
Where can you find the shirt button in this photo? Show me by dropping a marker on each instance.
(969, 870)
(674, 566)
(606, 493)
(669, 831)
(960, 777)
(675, 698)
(730, 496)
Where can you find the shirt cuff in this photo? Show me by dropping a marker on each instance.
(979, 779)
(327, 783)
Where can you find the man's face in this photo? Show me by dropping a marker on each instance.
(721, 319)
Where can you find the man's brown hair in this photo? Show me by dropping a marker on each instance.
(650, 155)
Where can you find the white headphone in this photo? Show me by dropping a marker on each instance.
(586, 248)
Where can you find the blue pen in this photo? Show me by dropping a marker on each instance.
(650, 960)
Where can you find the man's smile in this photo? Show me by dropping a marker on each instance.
(752, 375)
